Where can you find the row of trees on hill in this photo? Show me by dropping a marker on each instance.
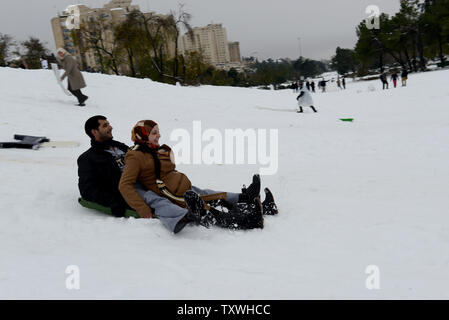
(283, 70)
(417, 33)
(28, 52)
(143, 43)
(146, 46)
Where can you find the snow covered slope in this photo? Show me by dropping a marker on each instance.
(351, 195)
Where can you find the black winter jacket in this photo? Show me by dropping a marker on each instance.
(99, 176)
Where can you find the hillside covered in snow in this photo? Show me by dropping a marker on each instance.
(372, 192)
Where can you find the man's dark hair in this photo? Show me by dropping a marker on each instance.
(92, 123)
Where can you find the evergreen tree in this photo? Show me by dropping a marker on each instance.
(34, 50)
(344, 61)
(6, 42)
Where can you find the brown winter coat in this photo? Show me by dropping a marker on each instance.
(72, 71)
(140, 166)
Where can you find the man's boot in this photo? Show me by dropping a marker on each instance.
(269, 206)
(252, 192)
(245, 216)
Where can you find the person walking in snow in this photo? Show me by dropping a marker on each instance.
(295, 87)
(312, 85)
(305, 100)
(44, 63)
(394, 78)
(339, 83)
(404, 76)
(383, 78)
(343, 81)
(323, 85)
(72, 72)
(153, 166)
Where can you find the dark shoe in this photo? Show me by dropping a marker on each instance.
(81, 105)
(243, 217)
(254, 217)
(196, 212)
(269, 206)
(83, 99)
(253, 191)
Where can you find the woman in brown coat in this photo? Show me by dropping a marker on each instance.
(152, 165)
(72, 72)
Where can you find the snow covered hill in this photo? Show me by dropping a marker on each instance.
(372, 192)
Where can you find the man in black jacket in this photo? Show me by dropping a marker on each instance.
(100, 167)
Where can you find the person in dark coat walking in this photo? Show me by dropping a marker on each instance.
(323, 84)
(312, 85)
(404, 76)
(72, 72)
(383, 78)
(343, 82)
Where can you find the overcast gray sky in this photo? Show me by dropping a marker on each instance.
(265, 29)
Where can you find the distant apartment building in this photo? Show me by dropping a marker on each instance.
(212, 42)
(113, 13)
(234, 52)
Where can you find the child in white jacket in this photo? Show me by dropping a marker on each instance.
(305, 99)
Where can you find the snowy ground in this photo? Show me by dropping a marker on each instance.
(370, 192)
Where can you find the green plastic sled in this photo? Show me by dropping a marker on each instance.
(347, 119)
(107, 210)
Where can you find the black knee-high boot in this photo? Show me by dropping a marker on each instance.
(78, 94)
(245, 216)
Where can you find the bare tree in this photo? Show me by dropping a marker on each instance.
(179, 20)
(98, 34)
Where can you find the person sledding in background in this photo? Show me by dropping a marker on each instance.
(72, 72)
(173, 196)
(305, 100)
